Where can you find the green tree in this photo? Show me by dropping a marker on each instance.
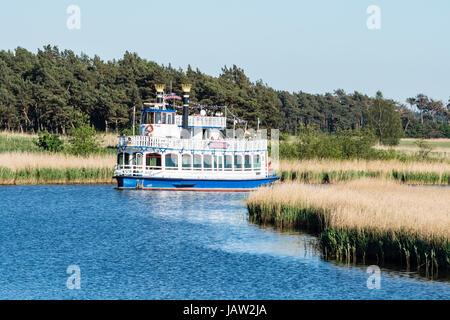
(83, 140)
(384, 121)
(40, 92)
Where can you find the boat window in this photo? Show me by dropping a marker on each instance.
(120, 158)
(237, 162)
(256, 162)
(137, 159)
(153, 161)
(169, 118)
(247, 162)
(207, 162)
(147, 118)
(228, 162)
(218, 163)
(171, 161)
(197, 162)
(187, 161)
(164, 118)
(157, 117)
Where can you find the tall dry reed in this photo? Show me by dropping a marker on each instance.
(22, 160)
(371, 219)
(376, 204)
(318, 171)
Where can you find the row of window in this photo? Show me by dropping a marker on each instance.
(153, 161)
(158, 117)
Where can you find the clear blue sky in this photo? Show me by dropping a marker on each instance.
(313, 46)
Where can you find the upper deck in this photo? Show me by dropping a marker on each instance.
(224, 145)
(203, 121)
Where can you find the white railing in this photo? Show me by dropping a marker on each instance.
(191, 144)
(202, 121)
(128, 170)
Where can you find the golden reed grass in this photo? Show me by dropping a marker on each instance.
(383, 206)
(366, 220)
(382, 166)
(22, 160)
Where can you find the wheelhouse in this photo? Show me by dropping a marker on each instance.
(156, 116)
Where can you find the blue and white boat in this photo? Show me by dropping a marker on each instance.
(190, 152)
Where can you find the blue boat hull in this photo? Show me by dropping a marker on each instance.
(124, 182)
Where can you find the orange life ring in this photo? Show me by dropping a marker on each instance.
(148, 129)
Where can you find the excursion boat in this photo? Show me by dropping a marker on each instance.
(193, 151)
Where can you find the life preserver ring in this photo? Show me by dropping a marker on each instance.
(148, 129)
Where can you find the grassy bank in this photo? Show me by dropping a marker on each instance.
(56, 176)
(333, 171)
(54, 168)
(439, 149)
(364, 220)
(21, 142)
(22, 162)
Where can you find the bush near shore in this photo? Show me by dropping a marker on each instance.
(364, 220)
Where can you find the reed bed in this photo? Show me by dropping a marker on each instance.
(54, 168)
(364, 220)
(24, 142)
(332, 171)
(56, 176)
(17, 142)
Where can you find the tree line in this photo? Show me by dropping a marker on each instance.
(44, 92)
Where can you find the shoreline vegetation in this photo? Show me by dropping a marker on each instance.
(23, 163)
(21, 168)
(335, 171)
(367, 220)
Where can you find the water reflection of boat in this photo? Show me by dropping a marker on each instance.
(191, 151)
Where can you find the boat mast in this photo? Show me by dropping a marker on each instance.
(186, 90)
(160, 95)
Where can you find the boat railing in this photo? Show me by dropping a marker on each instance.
(202, 121)
(132, 170)
(192, 144)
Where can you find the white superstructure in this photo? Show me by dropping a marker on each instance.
(190, 146)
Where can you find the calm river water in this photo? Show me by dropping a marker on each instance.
(168, 245)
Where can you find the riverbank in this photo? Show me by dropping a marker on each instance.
(18, 168)
(22, 162)
(333, 171)
(364, 221)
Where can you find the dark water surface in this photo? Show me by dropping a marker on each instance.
(168, 245)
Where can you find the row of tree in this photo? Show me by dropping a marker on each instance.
(44, 91)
